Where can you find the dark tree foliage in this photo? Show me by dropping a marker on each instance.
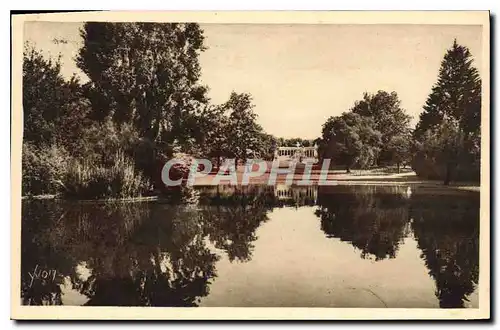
(55, 118)
(351, 140)
(145, 73)
(455, 99)
(390, 120)
(244, 134)
(269, 146)
(293, 142)
(53, 108)
(143, 104)
(456, 94)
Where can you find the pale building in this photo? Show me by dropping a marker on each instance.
(298, 154)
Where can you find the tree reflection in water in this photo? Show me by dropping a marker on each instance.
(447, 231)
(371, 218)
(156, 254)
(231, 216)
(37, 253)
(138, 254)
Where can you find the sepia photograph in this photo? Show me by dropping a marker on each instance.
(327, 165)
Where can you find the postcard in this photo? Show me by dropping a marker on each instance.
(251, 165)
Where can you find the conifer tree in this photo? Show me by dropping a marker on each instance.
(456, 96)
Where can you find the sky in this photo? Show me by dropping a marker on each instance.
(299, 75)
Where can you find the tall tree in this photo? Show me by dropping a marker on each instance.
(351, 140)
(145, 73)
(441, 151)
(244, 133)
(390, 119)
(457, 93)
(53, 108)
(398, 149)
(213, 132)
(453, 112)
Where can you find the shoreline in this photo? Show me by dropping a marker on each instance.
(436, 186)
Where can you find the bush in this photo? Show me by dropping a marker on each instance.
(43, 169)
(428, 167)
(181, 193)
(444, 149)
(102, 141)
(96, 181)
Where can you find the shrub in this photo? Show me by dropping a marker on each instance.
(43, 169)
(102, 141)
(428, 167)
(96, 181)
(182, 193)
(444, 153)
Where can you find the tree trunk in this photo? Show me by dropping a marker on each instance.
(347, 170)
(398, 167)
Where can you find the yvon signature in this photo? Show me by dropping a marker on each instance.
(42, 274)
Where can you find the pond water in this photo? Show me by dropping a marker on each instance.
(257, 246)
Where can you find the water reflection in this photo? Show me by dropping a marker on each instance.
(371, 218)
(232, 216)
(137, 254)
(447, 232)
(156, 254)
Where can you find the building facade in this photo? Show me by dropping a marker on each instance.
(297, 154)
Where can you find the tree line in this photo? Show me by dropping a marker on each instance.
(143, 103)
(375, 131)
(445, 144)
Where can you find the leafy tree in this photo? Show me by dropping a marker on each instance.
(269, 143)
(244, 133)
(398, 149)
(390, 120)
(213, 127)
(145, 73)
(293, 142)
(322, 147)
(53, 108)
(351, 140)
(55, 117)
(440, 151)
(453, 108)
